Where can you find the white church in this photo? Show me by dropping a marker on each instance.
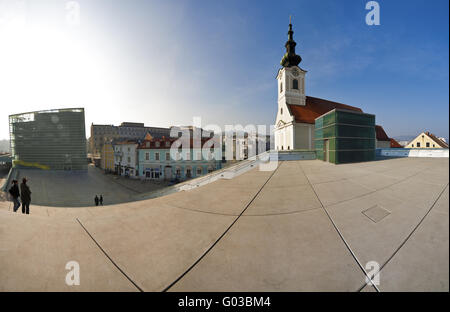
(294, 126)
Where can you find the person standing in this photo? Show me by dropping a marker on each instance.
(14, 191)
(101, 200)
(25, 195)
(96, 200)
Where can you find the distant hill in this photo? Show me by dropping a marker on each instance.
(404, 137)
(4, 146)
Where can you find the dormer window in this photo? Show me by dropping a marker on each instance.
(295, 84)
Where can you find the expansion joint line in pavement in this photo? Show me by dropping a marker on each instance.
(223, 234)
(339, 232)
(410, 234)
(110, 259)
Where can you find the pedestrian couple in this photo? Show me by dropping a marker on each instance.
(98, 200)
(24, 194)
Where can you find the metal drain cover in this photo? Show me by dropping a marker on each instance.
(376, 213)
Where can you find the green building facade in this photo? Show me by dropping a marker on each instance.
(51, 139)
(344, 136)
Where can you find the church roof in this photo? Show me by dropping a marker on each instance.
(381, 134)
(395, 144)
(314, 108)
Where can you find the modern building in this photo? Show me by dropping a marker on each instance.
(427, 140)
(344, 136)
(50, 139)
(125, 131)
(158, 161)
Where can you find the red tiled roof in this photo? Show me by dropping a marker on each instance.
(163, 140)
(314, 108)
(437, 140)
(381, 134)
(395, 144)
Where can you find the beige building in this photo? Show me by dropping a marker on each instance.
(427, 140)
(107, 157)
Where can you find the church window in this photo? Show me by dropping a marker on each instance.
(295, 84)
(281, 87)
(281, 111)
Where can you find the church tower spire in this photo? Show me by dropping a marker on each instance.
(290, 58)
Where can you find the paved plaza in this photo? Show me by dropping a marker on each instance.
(60, 188)
(307, 226)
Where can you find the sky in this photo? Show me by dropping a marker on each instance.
(165, 62)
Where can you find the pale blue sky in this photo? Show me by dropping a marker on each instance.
(163, 62)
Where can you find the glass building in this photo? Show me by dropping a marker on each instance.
(51, 139)
(345, 136)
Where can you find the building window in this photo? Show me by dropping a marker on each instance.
(295, 84)
(128, 150)
(434, 145)
(199, 171)
(188, 155)
(167, 156)
(157, 144)
(167, 143)
(412, 145)
(156, 156)
(147, 156)
(428, 144)
(281, 111)
(199, 155)
(129, 160)
(147, 144)
(418, 144)
(281, 87)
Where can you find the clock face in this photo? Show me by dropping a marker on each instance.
(295, 73)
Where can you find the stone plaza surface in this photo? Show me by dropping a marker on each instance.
(307, 226)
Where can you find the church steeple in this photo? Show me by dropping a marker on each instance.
(290, 58)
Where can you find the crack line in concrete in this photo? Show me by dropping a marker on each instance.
(374, 191)
(338, 231)
(110, 259)
(409, 236)
(223, 234)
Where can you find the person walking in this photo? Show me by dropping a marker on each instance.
(101, 200)
(25, 195)
(96, 200)
(14, 191)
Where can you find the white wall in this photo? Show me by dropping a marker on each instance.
(411, 152)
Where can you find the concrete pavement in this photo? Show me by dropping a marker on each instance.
(308, 226)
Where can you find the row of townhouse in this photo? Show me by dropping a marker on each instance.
(154, 159)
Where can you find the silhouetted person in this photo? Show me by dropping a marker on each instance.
(96, 200)
(14, 191)
(25, 195)
(101, 200)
